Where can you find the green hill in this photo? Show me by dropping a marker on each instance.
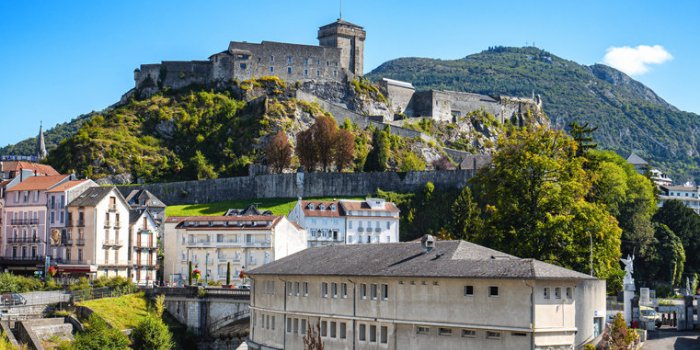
(629, 115)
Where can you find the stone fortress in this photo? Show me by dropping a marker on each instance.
(338, 59)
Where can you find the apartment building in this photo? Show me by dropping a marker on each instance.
(688, 195)
(244, 238)
(97, 234)
(422, 295)
(57, 206)
(143, 247)
(373, 220)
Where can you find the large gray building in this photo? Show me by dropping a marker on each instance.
(340, 55)
(422, 295)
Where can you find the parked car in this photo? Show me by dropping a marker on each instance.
(12, 299)
(648, 314)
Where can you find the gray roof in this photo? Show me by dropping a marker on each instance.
(135, 214)
(634, 159)
(144, 198)
(91, 197)
(449, 259)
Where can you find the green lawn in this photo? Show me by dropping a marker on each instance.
(278, 206)
(121, 312)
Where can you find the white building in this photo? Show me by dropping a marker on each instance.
(457, 295)
(245, 239)
(373, 220)
(143, 246)
(688, 195)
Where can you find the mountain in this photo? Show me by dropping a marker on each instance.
(629, 115)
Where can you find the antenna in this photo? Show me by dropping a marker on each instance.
(340, 9)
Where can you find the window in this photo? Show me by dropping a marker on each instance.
(289, 288)
(295, 329)
(334, 290)
(52, 216)
(106, 256)
(373, 291)
(468, 333)
(306, 72)
(289, 325)
(296, 288)
(289, 59)
(306, 289)
(342, 330)
(363, 291)
(383, 334)
(546, 293)
(350, 224)
(318, 73)
(468, 291)
(302, 330)
(423, 330)
(243, 66)
(324, 328)
(373, 333)
(273, 323)
(272, 69)
(289, 70)
(519, 334)
(361, 333)
(80, 255)
(493, 335)
(569, 293)
(385, 292)
(324, 290)
(493, 291)
(272, 58)
(557, 293)
(344, 290)
(444, 331)
(333, 329)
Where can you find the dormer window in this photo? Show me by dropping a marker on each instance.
(310, 206)
(333, 207)
(322, 207)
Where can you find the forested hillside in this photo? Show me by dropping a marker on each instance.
(629, 116)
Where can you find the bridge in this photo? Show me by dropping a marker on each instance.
(209, 312)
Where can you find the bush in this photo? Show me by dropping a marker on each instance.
(152, 334)
(98, 336)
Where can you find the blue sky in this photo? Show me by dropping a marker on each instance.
(59, 59)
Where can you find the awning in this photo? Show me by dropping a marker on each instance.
(66, 268)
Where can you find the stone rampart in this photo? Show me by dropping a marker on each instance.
(300, 184)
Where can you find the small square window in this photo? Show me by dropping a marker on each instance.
(493, 291)
(272, 69)
(468, 291)
(243, 66)
(422, 330)
(468, 333)
(519, 334)
(289, 70)
(444, 331)
(493, 335)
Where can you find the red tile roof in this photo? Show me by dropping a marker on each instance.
(40, 183)
(362, 205)
(66, 186)
(317, 212)
(42, 169)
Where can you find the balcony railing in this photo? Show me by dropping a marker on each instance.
(81, 223)
(24, 221)
(117, 224)
(81, 241)
(12, 240)
(107, 224)
(260, 244)
(25, 258)
(112, 208)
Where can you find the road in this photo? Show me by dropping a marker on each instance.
(669, 339)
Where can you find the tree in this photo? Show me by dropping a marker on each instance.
(444, 163)
(201, 168)
(312, 338)
(159, 305)
(344, 149)
(152, 334)
(534, 201)
(582, 134)
(686, 225)
(278, 152)
(411, 162)
(466, 220)
(325, 132)
(671, 255)
(98, 336)
(189, 273)
(306, 150)
(378, 157)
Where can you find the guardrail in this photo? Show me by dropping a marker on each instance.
(193, 292)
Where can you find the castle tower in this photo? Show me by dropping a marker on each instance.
(41, 145)
(350, 38)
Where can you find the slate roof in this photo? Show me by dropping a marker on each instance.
(91, 197)
(133, 198)
(251, 209)
(449, 259)
(40, 183)
(634, 159)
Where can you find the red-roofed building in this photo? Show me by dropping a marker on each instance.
(12, 169)
(57, 204)
(345, 221)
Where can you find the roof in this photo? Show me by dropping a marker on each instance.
(43, 169)
(449, 259)
(67, 185)
(398, 83)
(317, 212)
(342, 22)
(40, 183)
(136, 198)
(135, 214)
(92, 196)
(251, 209)
(225, 222)
(681, 188)
(175, 219)
(634, 159)
(362, 205)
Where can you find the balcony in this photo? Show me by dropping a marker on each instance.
(16, 240)
(118, 243)
(117, 224)
(24, 221)
(107, 225)
(81, 223)
(68, 242)
(81, 241)
(113, 208)
(260, 244)
(145, 245)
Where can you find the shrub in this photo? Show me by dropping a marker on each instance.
(98, 336)
(152, 334)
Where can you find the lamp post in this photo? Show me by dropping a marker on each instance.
(206, 269)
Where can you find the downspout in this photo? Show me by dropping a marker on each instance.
(354, 311)
(284, 317)
(252, 303)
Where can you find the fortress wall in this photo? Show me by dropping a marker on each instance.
(399, 96)
(300, 184)
(146, 71)
(179, 74)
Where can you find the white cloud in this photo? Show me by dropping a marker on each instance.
(636, 60)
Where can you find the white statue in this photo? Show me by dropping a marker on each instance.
(629, 268)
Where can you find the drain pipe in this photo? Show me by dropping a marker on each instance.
(354, 312)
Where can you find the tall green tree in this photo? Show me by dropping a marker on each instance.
(671, 255)
(378, 157)
(583, 135)
(686, 225)
(466, 222)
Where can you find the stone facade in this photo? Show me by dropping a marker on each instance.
(340, 55)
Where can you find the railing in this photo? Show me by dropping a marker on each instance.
(81, 241)
(107, 224)
(72, 262)
(118, 243)
(23, 240)
(193, 292)
(24, 258)
(68, 241)
(112, 208)
(24, 221)
(117, 224)
(264, 244)
(81, 223)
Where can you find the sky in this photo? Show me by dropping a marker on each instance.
(63, 58)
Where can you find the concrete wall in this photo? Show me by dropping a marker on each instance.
(301, 184)
(198, 314)
(590, 304)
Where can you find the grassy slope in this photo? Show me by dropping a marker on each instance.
(278, 206)
(121, 312)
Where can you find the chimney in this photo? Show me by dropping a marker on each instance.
(428, 243)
